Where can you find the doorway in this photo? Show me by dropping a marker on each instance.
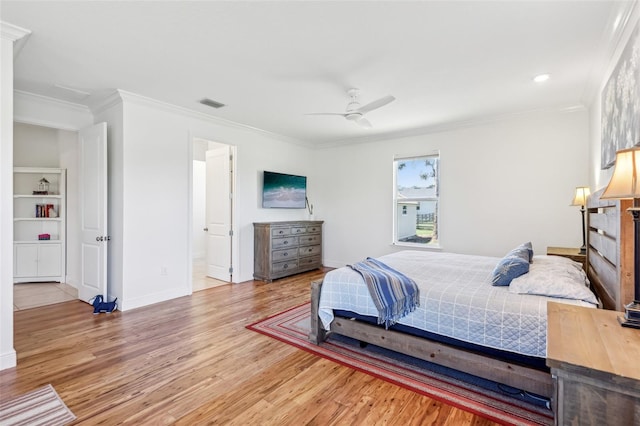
(42, 148)
(212, 214)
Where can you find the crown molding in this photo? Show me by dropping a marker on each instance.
(619, 27)
(16, 34)
(124, 96)
(52, 101)
(12, 32)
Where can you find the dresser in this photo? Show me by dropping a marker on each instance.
(595, 364)
(281, 249)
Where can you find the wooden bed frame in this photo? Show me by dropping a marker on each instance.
(609, 268)
(610, 265)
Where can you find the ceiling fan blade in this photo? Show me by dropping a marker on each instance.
(363, 122)
(376, 104)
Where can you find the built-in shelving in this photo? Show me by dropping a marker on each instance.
(39, 227)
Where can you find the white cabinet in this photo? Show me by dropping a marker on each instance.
(39, 230)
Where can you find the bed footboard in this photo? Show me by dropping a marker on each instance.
(318, 333)
(520, 377)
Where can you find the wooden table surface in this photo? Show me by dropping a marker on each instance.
(591, 340)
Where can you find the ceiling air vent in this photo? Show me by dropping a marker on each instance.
(211, 103)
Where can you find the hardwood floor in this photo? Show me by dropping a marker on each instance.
(192, 361)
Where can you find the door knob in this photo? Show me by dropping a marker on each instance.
(205, 229)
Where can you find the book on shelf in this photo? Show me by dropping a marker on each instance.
(45, 210)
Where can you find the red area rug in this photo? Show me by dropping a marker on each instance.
(293, 325)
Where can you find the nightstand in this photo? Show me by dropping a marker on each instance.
(595, 365)
(568, 252)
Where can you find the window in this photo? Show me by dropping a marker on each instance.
(416, 197)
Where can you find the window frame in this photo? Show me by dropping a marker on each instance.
(435, 198)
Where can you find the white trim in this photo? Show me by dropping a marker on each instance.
(8, 360)
(30, 108)
(12, 32)
(613, 38)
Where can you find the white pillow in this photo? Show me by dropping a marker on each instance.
(551, 259)
(554, 279)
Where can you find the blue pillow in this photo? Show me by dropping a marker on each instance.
(520, 251)
(508, 268)
(529, 248)
(524, 250)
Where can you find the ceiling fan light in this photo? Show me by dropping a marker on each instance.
(541, 78)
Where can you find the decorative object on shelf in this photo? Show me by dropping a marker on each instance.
(580, 199)
(43, 187)
(44, 236)
(625, 184)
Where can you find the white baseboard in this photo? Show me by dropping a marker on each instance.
(8, 360)
(332, 263)
(150, 299)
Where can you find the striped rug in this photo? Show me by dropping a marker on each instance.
(486, 399)
(39, 407)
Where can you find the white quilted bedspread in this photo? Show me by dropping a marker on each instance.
(456, 300)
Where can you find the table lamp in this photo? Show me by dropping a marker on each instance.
(580, 199)
(625, 184)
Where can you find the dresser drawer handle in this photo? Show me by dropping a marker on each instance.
(310, 250)
(285, 266)
(281, 232)
(285, 254)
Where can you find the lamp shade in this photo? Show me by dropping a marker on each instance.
(582, 193)
(624, 181)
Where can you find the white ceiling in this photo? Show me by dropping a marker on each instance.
(446, 62)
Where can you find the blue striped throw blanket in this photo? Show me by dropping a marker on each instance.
(394, 294)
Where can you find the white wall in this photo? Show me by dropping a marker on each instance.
(35, 146)
(155, 166)
(68, 149)
(502, 183)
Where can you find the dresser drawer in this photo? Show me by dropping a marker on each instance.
(310, 262)
(314, 229)
(275, 232)
(310, 239)
(286, 254)
(295, 230)
(309, 250)
(277, 243)
(284, 266)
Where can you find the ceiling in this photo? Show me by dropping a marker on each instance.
(447, 63)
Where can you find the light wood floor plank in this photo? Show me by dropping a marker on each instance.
(192, 361)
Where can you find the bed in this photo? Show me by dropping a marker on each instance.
(464, 322)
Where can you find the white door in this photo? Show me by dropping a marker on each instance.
(93, 211)
(218, 213)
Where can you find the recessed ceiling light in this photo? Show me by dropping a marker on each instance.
(540, 78)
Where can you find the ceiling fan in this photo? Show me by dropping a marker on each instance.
(355, 112)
